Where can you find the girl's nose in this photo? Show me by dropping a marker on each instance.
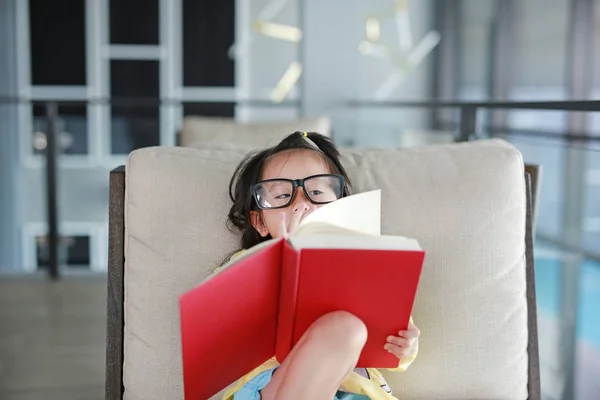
(301, 203)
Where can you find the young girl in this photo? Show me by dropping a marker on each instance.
(272, 191)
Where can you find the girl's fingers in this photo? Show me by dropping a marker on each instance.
(398, 351)
(284, 228)
(412, 333)
(399, 341)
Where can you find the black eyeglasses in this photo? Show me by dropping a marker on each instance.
(280, 193)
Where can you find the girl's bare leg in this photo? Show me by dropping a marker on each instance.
(321, 359)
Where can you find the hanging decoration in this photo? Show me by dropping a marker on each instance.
(407, 56)
(265, 26)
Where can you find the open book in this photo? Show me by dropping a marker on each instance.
(261, 303)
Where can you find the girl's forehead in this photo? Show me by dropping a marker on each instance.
(295, 164)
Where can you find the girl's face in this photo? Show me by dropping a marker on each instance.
(293, 164)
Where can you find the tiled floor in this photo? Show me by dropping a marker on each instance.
(52, 339)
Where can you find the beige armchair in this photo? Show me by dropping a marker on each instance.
(468, 205)
(197, 130)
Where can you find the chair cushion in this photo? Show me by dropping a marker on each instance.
(465, 203)
(205, 130)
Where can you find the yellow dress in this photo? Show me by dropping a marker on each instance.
(362, 381)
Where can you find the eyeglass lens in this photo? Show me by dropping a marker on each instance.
(279, 193)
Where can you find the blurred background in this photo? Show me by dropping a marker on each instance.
(84, 82)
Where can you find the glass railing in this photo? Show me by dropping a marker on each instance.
(567, 246)
(54, 162)
(65, 149)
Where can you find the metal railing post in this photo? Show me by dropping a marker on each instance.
(467, 123)
(52, 133)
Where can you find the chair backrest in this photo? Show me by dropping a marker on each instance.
(467, 204)
(202, 130)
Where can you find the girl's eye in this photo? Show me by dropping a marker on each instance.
(282, 196)
(315, 192)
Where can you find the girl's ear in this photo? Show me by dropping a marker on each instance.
(258, 223)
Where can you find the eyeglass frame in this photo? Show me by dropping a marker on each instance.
(295, 184)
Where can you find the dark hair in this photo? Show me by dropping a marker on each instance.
(249, 173)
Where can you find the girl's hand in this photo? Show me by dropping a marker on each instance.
(289, 224)
(405, 343)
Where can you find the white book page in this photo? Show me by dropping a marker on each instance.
(324, 228)
(359, 212)
(362, 242)
(246, 253)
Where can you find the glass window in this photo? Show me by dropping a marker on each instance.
(208, 33)
(57, 34)
(540, 41)
(594, 118)
(134, 125)
(591, 207)
(209, 109)
(134, 22)
(74, 251)
(539, 68)
(596, 39)
(475, 37)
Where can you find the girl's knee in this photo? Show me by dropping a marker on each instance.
(343, 327)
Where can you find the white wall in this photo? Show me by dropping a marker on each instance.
(337, 71)
(334, 70)
(261, 61)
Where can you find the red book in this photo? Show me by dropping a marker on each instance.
(261, 304)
